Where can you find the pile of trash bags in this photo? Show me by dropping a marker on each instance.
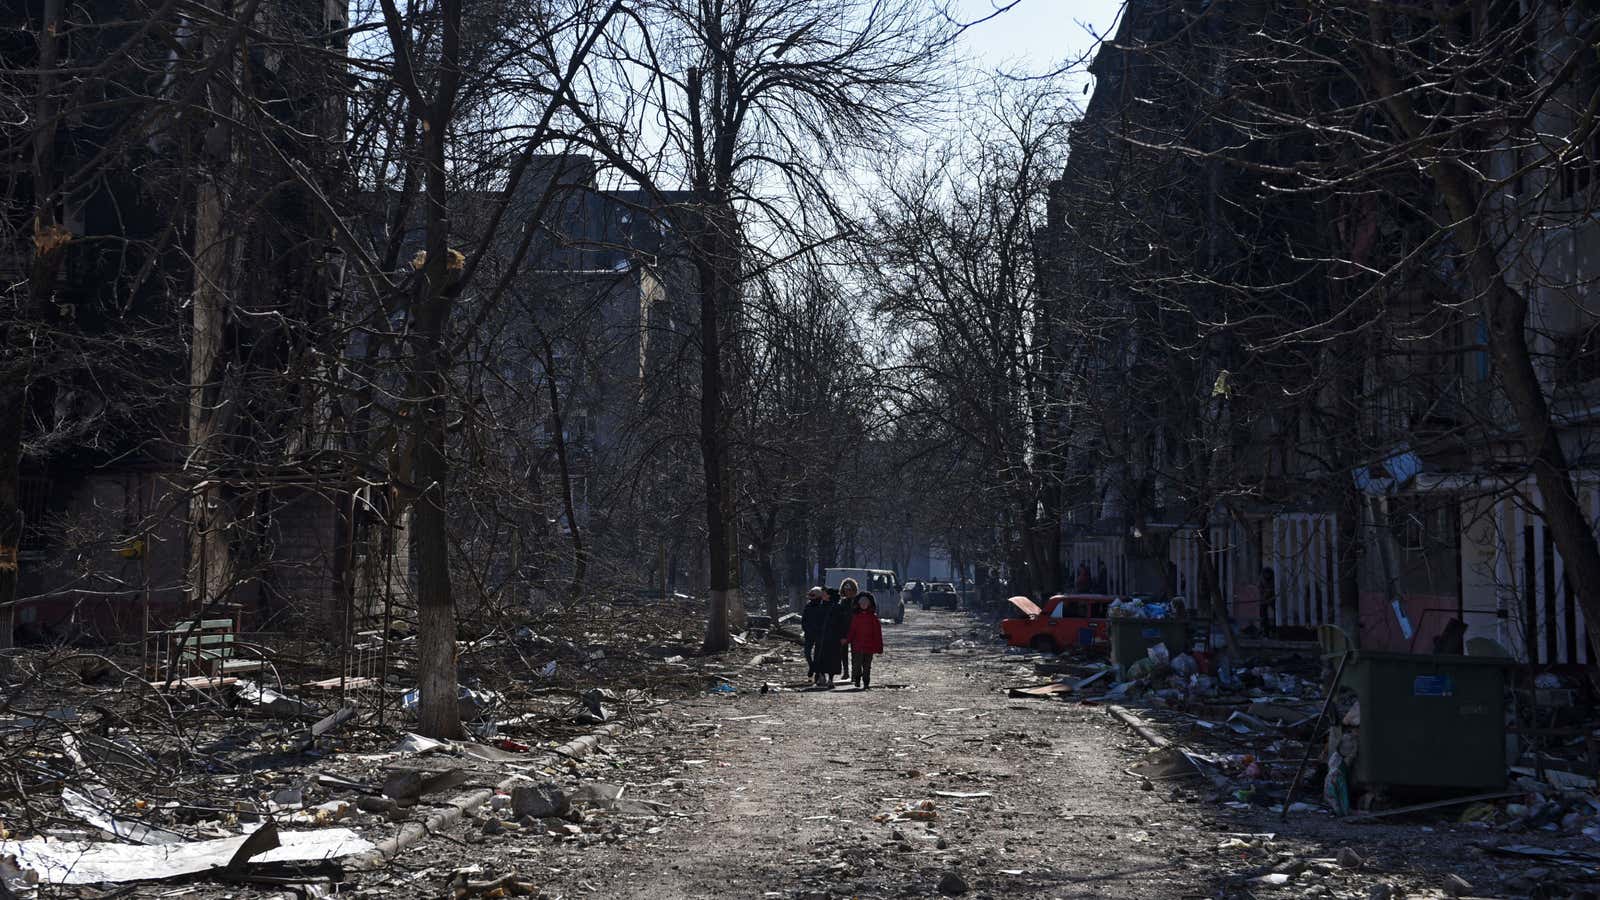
(1139, 608)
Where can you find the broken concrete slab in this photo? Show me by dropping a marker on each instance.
(411, 784)
(540, 801)
(597, 796)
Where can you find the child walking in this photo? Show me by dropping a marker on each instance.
(865, 639)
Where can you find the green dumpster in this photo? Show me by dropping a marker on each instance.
(1131, 639)
(1429, 721)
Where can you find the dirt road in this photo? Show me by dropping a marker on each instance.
(784, 794)
(933, 782)
(802, 794)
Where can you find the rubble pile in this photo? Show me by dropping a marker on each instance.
(298, 776)
(1267, 741)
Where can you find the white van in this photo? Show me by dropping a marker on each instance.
(882, 584)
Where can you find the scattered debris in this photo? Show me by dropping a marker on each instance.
(951, 884)
(539, 801)
(81, 862)
(93, 807)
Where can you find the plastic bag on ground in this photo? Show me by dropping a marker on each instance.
(1336, 787)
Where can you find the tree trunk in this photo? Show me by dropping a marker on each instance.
(210, 562)
(580, 556)
(769, 580)
(439, 712)
(716, 295)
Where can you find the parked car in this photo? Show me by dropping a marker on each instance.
(882, 584)
(1065, 620)
(909, 591)
(941, 594)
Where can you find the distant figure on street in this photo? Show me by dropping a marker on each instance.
(1082, 583)
(828, 657)
(812, 621)
(865, 638)
(917, 589)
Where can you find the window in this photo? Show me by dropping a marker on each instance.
(1412, 534)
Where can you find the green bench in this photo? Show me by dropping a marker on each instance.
(209, 647)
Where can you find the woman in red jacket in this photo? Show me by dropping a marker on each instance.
(865, 639)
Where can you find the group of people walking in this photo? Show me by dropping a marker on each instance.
(841, 636)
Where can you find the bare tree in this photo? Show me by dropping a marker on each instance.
(805, 401)
(952, 261)
(451, 74)
(760, 101)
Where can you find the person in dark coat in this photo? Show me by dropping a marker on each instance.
(865, 639)
(829, 654)
(813, 620)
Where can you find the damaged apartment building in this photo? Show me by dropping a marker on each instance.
(168, 266)
(1311, 426)
(205, 423)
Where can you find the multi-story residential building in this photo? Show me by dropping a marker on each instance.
(1370, 476)
(146, 164)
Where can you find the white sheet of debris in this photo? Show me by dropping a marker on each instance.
(84, 862)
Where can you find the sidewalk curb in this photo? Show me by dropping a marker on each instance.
(1139, 726)
(459, 806)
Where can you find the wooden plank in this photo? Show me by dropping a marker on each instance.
(1437, 804)
(193, 682)
(1139, 726)
(332, 684)
(204, 625)
(1043, 691)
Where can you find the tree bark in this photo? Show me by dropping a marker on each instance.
(717, 265)
(438, 709)
(724, 590)
(580, 556)
(769, 579)
(210, 563)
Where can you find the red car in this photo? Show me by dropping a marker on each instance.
(1067, 620)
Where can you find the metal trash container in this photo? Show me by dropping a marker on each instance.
(1131, 639)
(1429, 721)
